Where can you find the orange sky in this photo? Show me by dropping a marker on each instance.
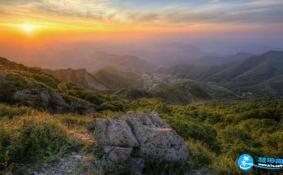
(102, 17)
(32, 23)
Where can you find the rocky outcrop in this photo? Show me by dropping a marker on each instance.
(51, 100)
(137, 138)
(42, 97)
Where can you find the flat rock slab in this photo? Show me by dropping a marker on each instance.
(139, 135)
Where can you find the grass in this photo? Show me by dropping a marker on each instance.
(201, 155)
(7, 111)
(74, 121)
(216, 132)
(32, 139)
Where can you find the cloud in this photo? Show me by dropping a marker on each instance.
(252, 12)
(147, 11)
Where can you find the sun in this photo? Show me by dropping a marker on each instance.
(28, 28)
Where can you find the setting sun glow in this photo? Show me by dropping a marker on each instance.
(28, 28)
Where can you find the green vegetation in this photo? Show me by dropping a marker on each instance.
(216, 131)
(180, 92)
(12, 111)
(133, 94)
(42, 91)
(255, 76)
(31, 139)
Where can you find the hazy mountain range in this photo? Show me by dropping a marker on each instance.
(243, 76)
(257, 75)
(187, 80)
(134, 53)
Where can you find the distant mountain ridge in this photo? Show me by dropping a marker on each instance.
(255, 76)
(244, 76)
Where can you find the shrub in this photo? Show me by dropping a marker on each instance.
(6, 91)
(232, 134)
(195, 130)
(31, 139)
(273, 143)
(201, 156)
(4, 142)
(261, 114)
(224, 165)
(11, 111)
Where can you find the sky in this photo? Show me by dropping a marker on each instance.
(30, 28)
(142, 15)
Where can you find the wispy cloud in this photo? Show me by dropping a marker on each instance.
(148, 11)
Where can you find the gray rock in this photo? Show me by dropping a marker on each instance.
(52, 101)
(117, 154)
(33, 96)
(74, 164)
(57, 99)
(42, 97)
(79, 106)
(114, 133)
(157, 139)
(139, 137)
(137, 166)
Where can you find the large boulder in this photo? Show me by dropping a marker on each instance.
(157, 139)
(139, 136)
